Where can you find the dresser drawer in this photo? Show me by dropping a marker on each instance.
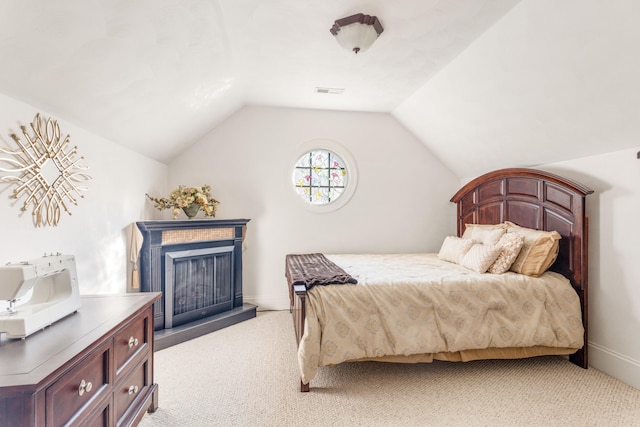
(100, 416)
(132, 340)
(131, 391)
(79, 390)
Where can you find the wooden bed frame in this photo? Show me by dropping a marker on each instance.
(529, 198)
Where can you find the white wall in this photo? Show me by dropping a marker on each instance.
(614, 276)
(401, 203)
(97, 231)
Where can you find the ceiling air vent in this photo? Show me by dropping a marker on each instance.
(331, 90)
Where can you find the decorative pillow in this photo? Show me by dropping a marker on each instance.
(539, 251)
(510, 245)
(483, 233)
(454, 248)
(480, 257)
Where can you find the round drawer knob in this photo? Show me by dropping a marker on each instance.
(133, 342)
(133, 389)
(84, 387)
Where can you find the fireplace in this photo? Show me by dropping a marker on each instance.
(197, 265)
(197, 284)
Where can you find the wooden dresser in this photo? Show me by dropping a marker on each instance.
(92, 368)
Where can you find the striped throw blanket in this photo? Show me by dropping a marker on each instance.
(315, 269)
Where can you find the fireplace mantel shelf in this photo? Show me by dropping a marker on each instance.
(189, 223)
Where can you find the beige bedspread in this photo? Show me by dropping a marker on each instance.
(413, 304)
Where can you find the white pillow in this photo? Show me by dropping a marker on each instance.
(510, 245)
(484, 233)
(480, 257)
(454, 248)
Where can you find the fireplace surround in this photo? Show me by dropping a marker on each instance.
(197, 265)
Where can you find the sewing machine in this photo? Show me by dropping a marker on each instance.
(50, 282)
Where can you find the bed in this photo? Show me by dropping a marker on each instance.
(413, 308)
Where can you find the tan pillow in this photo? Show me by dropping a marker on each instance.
(539, 251)
(483, 233)
(510, 245)
(454, 248)
(480, 257)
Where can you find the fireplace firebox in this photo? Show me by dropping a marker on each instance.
(197, 265)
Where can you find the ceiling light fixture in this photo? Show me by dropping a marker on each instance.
(357, 32)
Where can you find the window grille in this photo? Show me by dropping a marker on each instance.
(320, 177)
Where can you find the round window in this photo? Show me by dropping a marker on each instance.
(320, 177)
(324, 177)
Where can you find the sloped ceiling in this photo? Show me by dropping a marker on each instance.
(482, 83)
(155, 75)
(551, 81)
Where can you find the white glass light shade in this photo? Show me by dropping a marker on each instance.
(357, 33)
(356, 37)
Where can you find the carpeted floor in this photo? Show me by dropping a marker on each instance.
(246, 375)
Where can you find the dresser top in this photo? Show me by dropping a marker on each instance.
(29, 361)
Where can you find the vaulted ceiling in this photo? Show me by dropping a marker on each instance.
(156, 75)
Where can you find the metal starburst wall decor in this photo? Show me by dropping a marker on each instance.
(45, 170)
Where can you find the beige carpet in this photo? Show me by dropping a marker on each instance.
(246, 375)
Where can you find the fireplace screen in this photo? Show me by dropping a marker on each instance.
(197, 284)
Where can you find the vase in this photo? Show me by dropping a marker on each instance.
(192, 210)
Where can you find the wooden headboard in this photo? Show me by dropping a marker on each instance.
(539, 200)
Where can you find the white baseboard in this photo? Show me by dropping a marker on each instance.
(615, 364)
